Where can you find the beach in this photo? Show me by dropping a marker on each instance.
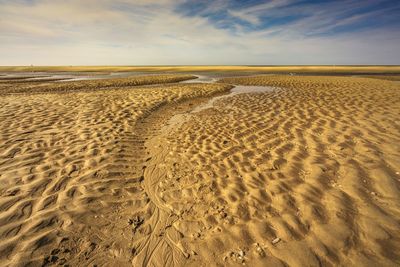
(161, 170)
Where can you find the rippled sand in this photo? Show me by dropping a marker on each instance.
(110, 174)
(71, 172)
(303, 176)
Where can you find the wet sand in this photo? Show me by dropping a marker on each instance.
(297, 171)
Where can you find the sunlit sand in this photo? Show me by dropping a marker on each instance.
(232, 168)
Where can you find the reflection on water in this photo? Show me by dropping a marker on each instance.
(178, 119)
(201, 79)
(240, 89)
(205, 77)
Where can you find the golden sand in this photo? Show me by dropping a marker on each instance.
(18, 85)
(385, 77)
(70, 167)
(305, 175)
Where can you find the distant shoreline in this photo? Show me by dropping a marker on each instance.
(323, 69)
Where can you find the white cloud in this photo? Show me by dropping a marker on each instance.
(245, 16)
(124, 32)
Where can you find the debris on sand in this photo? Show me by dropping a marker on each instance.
(259, 250)
(236, 256)
(136, 223)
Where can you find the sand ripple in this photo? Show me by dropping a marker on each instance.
(71, 173)
(305, 176)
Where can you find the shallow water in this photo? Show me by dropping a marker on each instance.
(178, 119)
(239, 89)
(201, 79)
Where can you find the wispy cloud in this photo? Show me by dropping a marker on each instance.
(199, 32)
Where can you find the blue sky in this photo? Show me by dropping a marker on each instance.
(179, 32)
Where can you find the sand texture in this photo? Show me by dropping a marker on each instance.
(304, 176)
(71, 173)
(111, 174)
(386, 77)
(19, 85)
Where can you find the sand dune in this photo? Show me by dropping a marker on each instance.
(110, 174)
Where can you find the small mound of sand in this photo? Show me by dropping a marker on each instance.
(19, 85)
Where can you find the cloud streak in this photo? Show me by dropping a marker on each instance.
(121, 32)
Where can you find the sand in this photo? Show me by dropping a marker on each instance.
(304, 176)
(386, 77)
(307, 174)
(71, 172)
(20, 85)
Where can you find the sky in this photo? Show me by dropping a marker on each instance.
(199, 32)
